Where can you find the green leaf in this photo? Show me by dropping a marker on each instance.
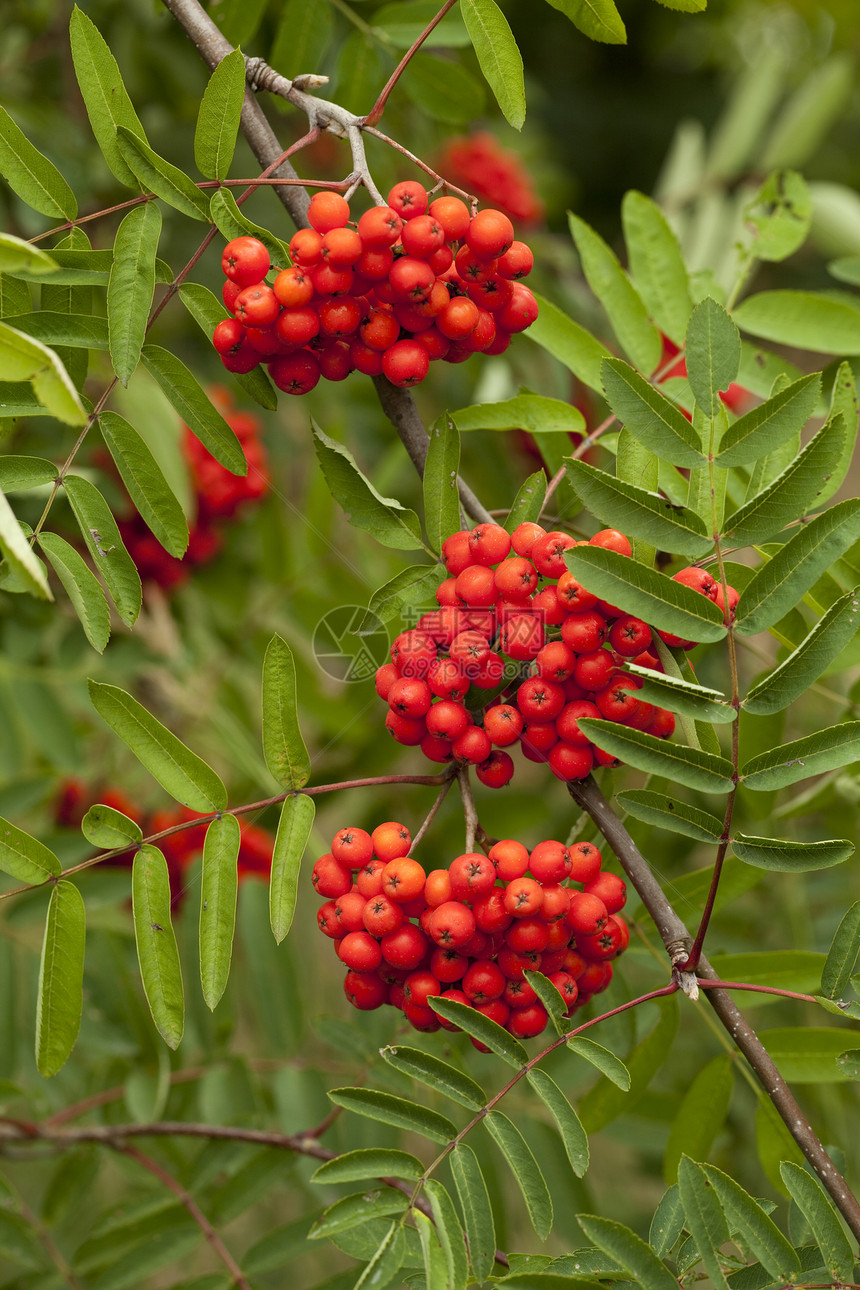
(105, 97)
(231, 222)
(597, 19)
(476, 1209)
(305, 29)
(749, 1220)
(778, 585)
(705, 1220)
(218, 117)
(639, 513)
(15, 298)
(158, 176)
(806, 663)
(444, 90)
(82, 587)
(436, 1275)
(369, 1162)
(682, 696)
(526, 411)
(668, 813)
(219, 886)
(551, 999)
(18, 474)
(187, 396)
(441, 498)
(766, 427)
(527, 505)
(713, 353)
(702, 770)
(628, 317)
(107, 828)
(649, 415)
(156, 943)
(844, 401)
(793, 492)
(701, 1114)
(802, 125)
(294, 827)
(827, 749)
(437, 1074)
(602, 1059)
(573, 1136)
(24, 359)
(579, 351)
(386, 1262)
(146, 485)
(20, 257)
(525, 1168)
(355, 1210)
(449, 1233)
(390, 523)
(35, 179)
(656, 264)
(822, 323)
(207, 311)
(404, 591)
(61, 979)
(99, 531)
(636, 589)
(808, 1054)
(487, 1032)
(78, 330)
(667, 1223)
(398, 1111)
(283, 746)
(819, 1212)
(786, 856)
(499, 58)
(842, 954)
(779, 216)
(18, 554)
(628, 1249)
(183, 774)
(606, 1100)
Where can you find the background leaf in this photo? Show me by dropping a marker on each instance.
(283, 746)
(35, 179)
(105, 96)
(441, 498)
(146, 485)
(24, 857)
(18, 553)
(195, 408)
(637, 335)
(390, 523)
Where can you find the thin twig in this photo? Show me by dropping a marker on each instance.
(378, 108)
(431, 814)
(678, 941)
(470, 814)
(186, 1199)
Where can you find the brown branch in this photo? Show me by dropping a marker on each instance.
(193, 1208)
(678, 942)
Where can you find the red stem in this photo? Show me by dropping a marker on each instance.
(379, 106)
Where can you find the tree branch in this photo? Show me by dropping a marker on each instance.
(677, 940)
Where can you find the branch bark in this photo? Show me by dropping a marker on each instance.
(678, 940)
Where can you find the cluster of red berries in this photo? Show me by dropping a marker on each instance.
(180, 849)
(565, 647)
(469, 932)
(411, 281)
(481, 165)
(218, 494)
(551, 654)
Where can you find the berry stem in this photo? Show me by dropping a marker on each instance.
(378, 108)
(431, 814)
(470, 813)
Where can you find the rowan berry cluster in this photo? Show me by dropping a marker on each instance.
(469, 932)
(218, 495)
(180, 849)
(515, 623)
(411, 281)
(480, 164)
